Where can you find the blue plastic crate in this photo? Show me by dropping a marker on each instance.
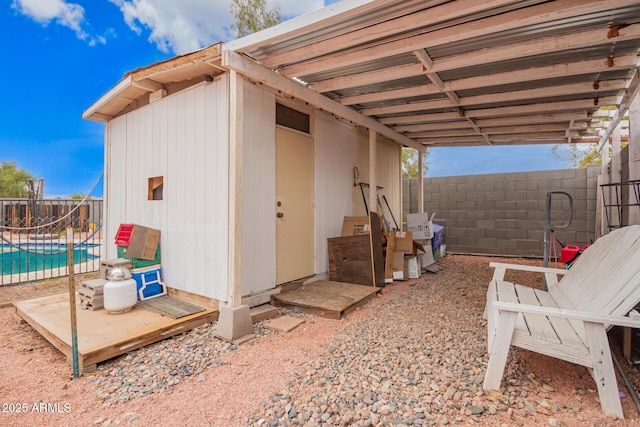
(148, 282)
(438, 236)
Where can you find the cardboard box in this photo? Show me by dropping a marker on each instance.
(421, 225)
(143, 243)
(426, 258)
(398, 266)
(355, 225)
(403, 241)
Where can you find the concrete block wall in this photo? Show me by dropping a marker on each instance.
(505, 214)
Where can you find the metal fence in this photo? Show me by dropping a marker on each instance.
(34, 237)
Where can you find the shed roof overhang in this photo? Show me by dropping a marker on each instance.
(173, 74)
(459, 73)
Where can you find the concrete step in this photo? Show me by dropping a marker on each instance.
(263, 312)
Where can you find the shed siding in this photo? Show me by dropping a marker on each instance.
(183, 138)
(335, 150)
(259, 191)
(389, 175)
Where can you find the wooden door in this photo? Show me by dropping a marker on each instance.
(294, 206)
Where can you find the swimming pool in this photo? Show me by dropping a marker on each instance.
(36, 257)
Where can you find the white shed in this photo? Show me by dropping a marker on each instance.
(171, 127)
(242, 154)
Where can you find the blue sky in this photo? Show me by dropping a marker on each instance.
(61, 55)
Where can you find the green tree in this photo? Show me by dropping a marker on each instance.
(580, 155)
(14, 181)
(250, 16)
(410, 163)
(77, 196)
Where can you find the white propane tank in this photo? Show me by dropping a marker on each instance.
(120, 291)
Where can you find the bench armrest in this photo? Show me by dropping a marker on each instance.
(501, 268)
(632, 322)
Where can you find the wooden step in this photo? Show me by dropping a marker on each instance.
(263, 312)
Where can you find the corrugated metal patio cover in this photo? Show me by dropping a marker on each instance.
(466, 72)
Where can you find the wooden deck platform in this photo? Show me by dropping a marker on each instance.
(326, 299)
(102, 335)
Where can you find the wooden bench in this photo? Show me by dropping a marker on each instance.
(571, 319)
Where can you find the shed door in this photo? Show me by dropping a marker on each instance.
(294, 206)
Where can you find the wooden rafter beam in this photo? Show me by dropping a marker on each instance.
(543, 46)
(369, 78)
(534, 119)
(551, 127)
(544, 92)
(518, 95)
(439, 104)
(429, 16)
(461, 124)
(420, 118)
(539, 73)
(515, 110)
(546, 72)
(427, 63)
(257, 72)
(148, 85)
(534, 15)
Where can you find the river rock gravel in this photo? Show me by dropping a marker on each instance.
(414, 355)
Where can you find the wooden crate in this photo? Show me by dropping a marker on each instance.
(350, 260)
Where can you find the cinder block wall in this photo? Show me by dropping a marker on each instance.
(505, 214)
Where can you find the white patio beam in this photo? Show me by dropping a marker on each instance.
(445, 133)
(236, 144)
(420, 118)
(373, 173)
(249, 68)
(542, 73)
(510, 77)
(482, 143)
(461, 124)
(632, 92)
(493, 112)
(436, 104)
(543, 46)
(534, 128)
(515, 110)
(529, 16)
(542, 92)
(371, 78)
(534, 119)
(410, 92)
(538, 121)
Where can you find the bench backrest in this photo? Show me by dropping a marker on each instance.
(605, 279)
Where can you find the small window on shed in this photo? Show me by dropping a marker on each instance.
(156, 185)
(293, 119)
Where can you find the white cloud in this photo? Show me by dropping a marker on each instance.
(70, 15)
(188, 25)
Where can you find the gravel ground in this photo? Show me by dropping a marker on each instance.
(416, 355)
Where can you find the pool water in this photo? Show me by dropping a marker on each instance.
(37, 258)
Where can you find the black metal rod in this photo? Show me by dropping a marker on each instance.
(627, 383)
(391, 212)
